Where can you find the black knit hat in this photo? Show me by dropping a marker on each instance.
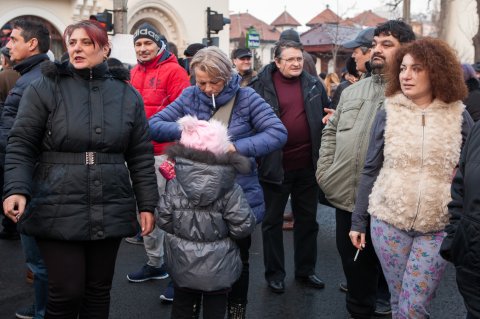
(289, 34)
(5, 51)
(193, 48)
(146, 30)
(7, 26)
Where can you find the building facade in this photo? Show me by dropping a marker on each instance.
(182, 22)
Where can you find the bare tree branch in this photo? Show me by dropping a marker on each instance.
(393, 4)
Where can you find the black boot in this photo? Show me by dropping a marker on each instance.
(237, 310)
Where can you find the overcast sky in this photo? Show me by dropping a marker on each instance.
(304, 10)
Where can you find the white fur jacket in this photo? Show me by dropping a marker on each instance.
(414, 153)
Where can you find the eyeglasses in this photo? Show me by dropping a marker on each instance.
(293, 60)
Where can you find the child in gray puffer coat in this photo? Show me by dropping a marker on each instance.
(202, 210)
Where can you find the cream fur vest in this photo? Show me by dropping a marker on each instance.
(421, 150)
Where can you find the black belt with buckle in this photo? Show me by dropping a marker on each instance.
(85, 158)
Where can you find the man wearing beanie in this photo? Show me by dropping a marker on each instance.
(159, 79)
(8, 76)
(5, 34)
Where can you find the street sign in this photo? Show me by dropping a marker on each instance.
(252, 39)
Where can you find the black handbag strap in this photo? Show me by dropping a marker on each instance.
(223, 114)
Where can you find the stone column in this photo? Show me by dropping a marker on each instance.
(120, 16)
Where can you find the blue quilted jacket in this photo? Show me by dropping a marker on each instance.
(254, 128)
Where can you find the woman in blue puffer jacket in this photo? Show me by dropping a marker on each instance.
(254, 128)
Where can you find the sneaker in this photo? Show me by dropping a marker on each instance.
(167, 295)
(136, 240)
(147, 273)
(26, 313)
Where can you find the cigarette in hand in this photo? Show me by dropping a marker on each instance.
(358, 251)
(356, 255)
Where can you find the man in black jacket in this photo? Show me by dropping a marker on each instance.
(28, 45)
(298, 99)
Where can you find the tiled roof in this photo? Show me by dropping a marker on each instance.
(327, 34)
(240, 22)
(368, 18)
(326, 16)
(285, 19)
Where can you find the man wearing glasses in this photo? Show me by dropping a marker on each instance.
(298, 99)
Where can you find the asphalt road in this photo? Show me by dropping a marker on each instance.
(141, 300)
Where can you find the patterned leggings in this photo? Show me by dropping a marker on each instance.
(412, 266)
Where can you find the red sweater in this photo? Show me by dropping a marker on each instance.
(297, 153)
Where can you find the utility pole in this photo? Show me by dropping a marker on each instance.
(120, 16)
(406, 11)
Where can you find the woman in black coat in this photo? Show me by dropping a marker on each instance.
(461, 246)
(79, 138)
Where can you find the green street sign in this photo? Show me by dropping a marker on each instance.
(253, 39)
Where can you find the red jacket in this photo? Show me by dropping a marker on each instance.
(159, 81)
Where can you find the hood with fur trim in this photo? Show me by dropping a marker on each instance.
(54, 69)
(204, 176)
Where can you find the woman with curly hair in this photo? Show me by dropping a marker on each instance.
(405, 184)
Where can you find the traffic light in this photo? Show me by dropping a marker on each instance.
(105, 19)
(215, 21)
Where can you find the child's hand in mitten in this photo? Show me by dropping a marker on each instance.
(167, 169)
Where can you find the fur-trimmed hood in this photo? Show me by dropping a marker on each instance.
(203, 176)
(238, 161)
(54, 69)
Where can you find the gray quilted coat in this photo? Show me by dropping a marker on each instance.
(202, 210)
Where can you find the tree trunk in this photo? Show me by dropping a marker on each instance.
(476, 38)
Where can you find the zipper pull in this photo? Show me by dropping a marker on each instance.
(91, 74)
(423, 119)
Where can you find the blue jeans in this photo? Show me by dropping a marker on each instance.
(36, 264)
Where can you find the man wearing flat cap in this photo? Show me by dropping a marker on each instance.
(342, 156)
(159, 79)
(242, 59)
(361, 46)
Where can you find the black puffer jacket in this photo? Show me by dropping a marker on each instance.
(61, 116)
(462, 244)
(30, 70)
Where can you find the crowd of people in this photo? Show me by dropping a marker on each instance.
(188, 156)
